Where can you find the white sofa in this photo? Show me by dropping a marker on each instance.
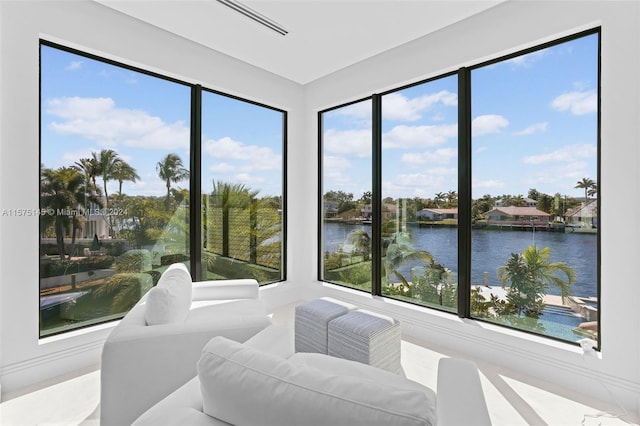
(264, 382)
(142, 363)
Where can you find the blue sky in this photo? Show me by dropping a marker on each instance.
(89, 105)
(534, 126)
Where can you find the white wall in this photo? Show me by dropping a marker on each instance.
(614, 374)
(93, 28)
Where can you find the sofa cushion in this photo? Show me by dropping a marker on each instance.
(170, 300)
(340, 366)
(242, 386)
(182, 407)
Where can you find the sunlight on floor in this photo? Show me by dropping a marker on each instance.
(69, 403)
(514, 402)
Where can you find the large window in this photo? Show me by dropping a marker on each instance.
(419, 191)
(535, 190)
(485, 190)
(345, 239)
(120, 156)
(242, 189)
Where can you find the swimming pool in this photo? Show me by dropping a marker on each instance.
(559, 321)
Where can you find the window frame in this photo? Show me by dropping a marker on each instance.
(320, 196)
(464, 182)
(195, 161)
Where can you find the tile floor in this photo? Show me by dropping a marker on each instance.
(512, 398)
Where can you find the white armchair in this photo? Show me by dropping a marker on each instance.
(142, 363)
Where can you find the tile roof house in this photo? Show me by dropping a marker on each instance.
(516, 216)
(437, 214)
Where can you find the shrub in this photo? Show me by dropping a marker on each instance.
(169, 259)
(155, 276)
(97, 262)
(134, 261)
(62, 267)
(124, 290)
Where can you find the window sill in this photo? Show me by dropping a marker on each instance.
(100, 329)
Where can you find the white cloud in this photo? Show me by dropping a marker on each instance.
(396, 106)
(421, 184)
(579, 102)
(439, 156)
(489, 123)
(337, 172)
(252, 157)
(481, 149)
(352, 143)
(73, 65)
(332, 162)
(360, 110)
(406, 137)
(431, 178)
(529, 59)
(534, 128)
(222, 168)
(99, 119)
(248, 179)
(417, 179)
(565, 154)
(488, 184)
(73, 156)
(570, 172)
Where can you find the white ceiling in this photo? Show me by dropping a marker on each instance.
(324, 35)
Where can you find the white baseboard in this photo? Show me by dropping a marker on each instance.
(40, 371)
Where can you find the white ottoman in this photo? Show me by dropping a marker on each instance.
(366, 337)
(311, 323)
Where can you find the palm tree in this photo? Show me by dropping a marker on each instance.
(530, 274)
(228, 195)
(358, 243)
(399, 251)
(517, 201)
(90, 168)
(64, 189)
(585, 184)
(108, 161)
(123, 171)
(451, 196)
(171, 169)
(440, 197)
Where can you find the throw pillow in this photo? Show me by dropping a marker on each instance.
(170, 300)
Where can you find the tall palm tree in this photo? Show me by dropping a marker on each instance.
(171, 169)
(530, 274)
(123, 171)
(108, 161)
(90, 168)
(585, 184)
